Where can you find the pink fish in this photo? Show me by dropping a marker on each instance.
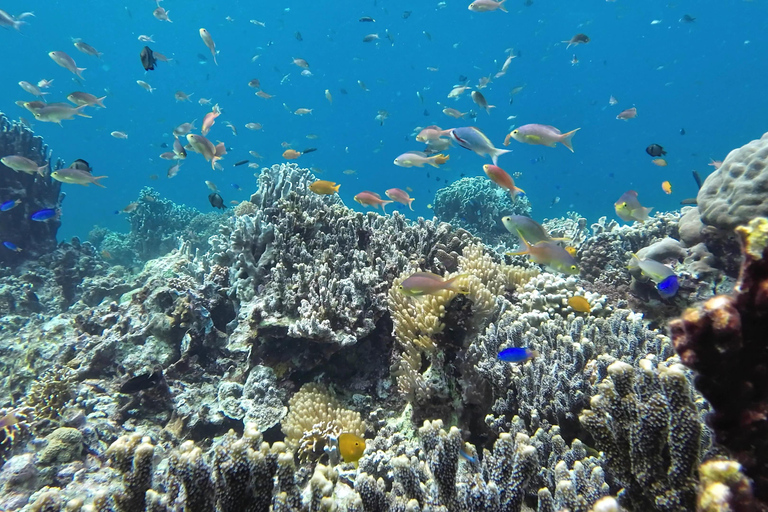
(487, 6)
(502, 178)
(373, 199)
(401, 196)
(541, 134)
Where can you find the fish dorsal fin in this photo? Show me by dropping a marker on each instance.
(374, 194)
(552, 128)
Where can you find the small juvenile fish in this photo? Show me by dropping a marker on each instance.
(473, 139)
(253, 126)
(183, 129)
(517, 355)
(370, 37)
(478, 98)
(541, 134)
(612, 101)
(579, 304)
(367, 198)
(67, 62)
(351, 447)
(23, 164)
(231, 127)
(161, 14)
(32, 89)
(367, 19)
(12, 246)
(145, 85)
(45, 83)
(328, 96)
(181, 96)
(626, 115)
(174, 170)
(142, 382)
(291, 154)
(427, 283)
(211, 186)
(302, 111)
(666, 187)
(86, 48)
(76, 176)
(43, 215)
(210, 119)
(659, 161)
(146, 39)
(119, 135)
(208, 40)
(324, 187)
(241, 162)
(419, 158)
(301, 63)
(83, 98)
(487, 6)
(577, 39)
(502, 178)
(400, 196)
(131, 207)
(452, 112)
(628, 208)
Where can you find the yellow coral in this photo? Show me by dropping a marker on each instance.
(754, 236)
(245, 208)
(314, 414)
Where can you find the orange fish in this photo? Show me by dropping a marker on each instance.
(502, 178)
(659, 161)
(373, 199)
(666, 187)
(291, 154)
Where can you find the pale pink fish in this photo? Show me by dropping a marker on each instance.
(210, 119)
(86, 48)
(161, 14)
(400, 196)
(419, 158)
(119, 135)
(146, 39)
(208, 40)
(367, 198)
(612, 101)
(431, 132)
(44, 84)
(32, 89)
(67, 62)
(715, 163)
(542, 135)
(57, 114)
(487, 6)
(626, 115)
(183, 129)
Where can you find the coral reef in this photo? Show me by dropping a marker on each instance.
(35, 192)
(723, 340)
(733, 194)
(477, 205)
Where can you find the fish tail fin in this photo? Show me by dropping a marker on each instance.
(565, 139)
(496, 153)
(383, 204)
(438, 160)
(488, 108)
(501, 6)
(96, 181)
(411, 200)
(80, 113)
(99, 101)
(336, 188)
(452, 285)
(41, 170)
(645, 213)
(79, 71)
(516, 191)
(525, 242)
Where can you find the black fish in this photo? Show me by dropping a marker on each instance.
(164, 145)
(142, 382)
(308, 150)
(147, 58)
(202, 59)
(343, 91)
(367, 19)
(655, 150)
(82, 165)
(579, 38)
(426, 112)
(216, 201)
(241, 162)
(298, 37)
(687, 18)
(682, 131)
(462, 78)
(697, 178)
(690, 200)
(406, 14)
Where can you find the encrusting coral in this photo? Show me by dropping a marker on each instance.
(723, 340)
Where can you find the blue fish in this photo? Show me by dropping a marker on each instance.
(668, 287)
(43, 215)
(517, 355)
(12, 246)
(9, 205)
(473, 139)
(467, 456)
(235, 186)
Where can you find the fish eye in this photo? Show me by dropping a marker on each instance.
(515, 131)
(574, 267)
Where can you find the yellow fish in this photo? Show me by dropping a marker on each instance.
(324, 187)
(351, 447)
(579, 304)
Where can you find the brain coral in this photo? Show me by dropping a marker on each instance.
(738, 190)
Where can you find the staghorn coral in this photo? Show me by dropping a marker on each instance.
(733, 193)
(314, 415)
(723, 340)
(636, 418)
(48, 394)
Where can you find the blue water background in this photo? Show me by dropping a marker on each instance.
(706, 77)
